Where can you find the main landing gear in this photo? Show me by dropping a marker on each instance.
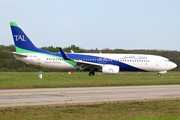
(91, 73)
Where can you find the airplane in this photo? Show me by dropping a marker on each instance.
(106, 63)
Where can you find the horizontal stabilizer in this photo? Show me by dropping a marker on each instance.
(14, 53)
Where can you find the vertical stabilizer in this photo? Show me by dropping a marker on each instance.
(22, 43)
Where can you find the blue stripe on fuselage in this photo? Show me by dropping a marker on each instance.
(101, 60)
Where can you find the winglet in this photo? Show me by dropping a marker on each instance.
(64, 54)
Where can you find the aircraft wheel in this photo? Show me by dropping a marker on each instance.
(91, 73)
(159, 75)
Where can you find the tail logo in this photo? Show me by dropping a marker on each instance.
(19, 37)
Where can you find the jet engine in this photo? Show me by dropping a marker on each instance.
(110, 69)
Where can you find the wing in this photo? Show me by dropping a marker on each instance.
(81, 65)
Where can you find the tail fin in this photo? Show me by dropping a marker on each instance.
(22, 43)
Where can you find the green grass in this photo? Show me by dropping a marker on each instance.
(150, 110)
(21, 80)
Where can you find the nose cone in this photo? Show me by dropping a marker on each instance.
(173, 65)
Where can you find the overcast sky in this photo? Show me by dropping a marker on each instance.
(122, 24)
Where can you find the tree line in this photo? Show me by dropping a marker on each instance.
(9, 63)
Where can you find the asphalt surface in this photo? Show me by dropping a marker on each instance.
(85, 95)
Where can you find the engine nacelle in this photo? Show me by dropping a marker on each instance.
(110, 69)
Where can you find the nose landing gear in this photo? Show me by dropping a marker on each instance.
(159, 75)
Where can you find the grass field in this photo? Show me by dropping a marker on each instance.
(22, 80)
(150, 110)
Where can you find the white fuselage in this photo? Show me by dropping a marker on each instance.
(140, 61)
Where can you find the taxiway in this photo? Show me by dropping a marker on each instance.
(85, 95)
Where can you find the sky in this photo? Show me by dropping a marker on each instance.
(91, 24)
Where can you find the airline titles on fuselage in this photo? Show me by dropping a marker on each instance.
(105, 60)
